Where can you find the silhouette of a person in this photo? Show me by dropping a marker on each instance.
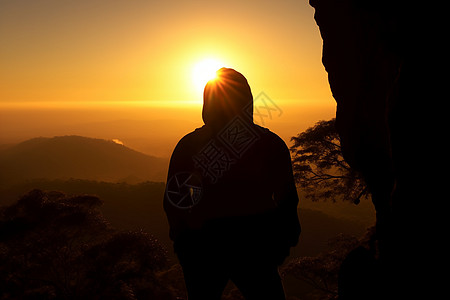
(231, 199)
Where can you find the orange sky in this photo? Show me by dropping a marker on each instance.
(65, 54)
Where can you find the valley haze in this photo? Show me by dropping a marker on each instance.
(150, 127)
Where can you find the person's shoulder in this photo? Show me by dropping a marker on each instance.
(191, 138)
(270, 136)
(193, 134)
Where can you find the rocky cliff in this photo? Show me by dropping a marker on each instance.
(378, 74)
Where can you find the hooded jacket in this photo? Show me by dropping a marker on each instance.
(231, 169)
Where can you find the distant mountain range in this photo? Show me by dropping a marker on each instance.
(78, 157)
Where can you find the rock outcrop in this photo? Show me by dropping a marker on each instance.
(377, 71)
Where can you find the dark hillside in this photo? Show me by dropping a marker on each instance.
(78, 157)
(139, 206)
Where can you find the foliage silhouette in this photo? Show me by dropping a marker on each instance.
(325, 271)
(57, 247)
(137, 199)
(320, 169)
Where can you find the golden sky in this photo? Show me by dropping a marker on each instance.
(140, 50)
(113, 59)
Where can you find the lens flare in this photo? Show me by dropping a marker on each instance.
(205, 71)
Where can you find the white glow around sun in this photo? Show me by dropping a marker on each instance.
(204, 71)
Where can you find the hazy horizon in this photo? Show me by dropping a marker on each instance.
(133, 72)
(119, 70)
(149, 127)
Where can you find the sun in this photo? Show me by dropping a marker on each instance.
(204, 71)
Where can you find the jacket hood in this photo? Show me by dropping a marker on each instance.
(225, 97)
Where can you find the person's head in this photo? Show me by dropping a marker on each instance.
(225, 97)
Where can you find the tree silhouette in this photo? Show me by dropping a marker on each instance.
(53, 246)
(327, 271)
(320, 169)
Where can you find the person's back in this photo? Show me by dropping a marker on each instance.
(230, 198)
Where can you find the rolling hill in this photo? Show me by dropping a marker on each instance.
(65, 157)
(80, 165)
(139, 206)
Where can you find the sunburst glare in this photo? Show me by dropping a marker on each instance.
(204, 71)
